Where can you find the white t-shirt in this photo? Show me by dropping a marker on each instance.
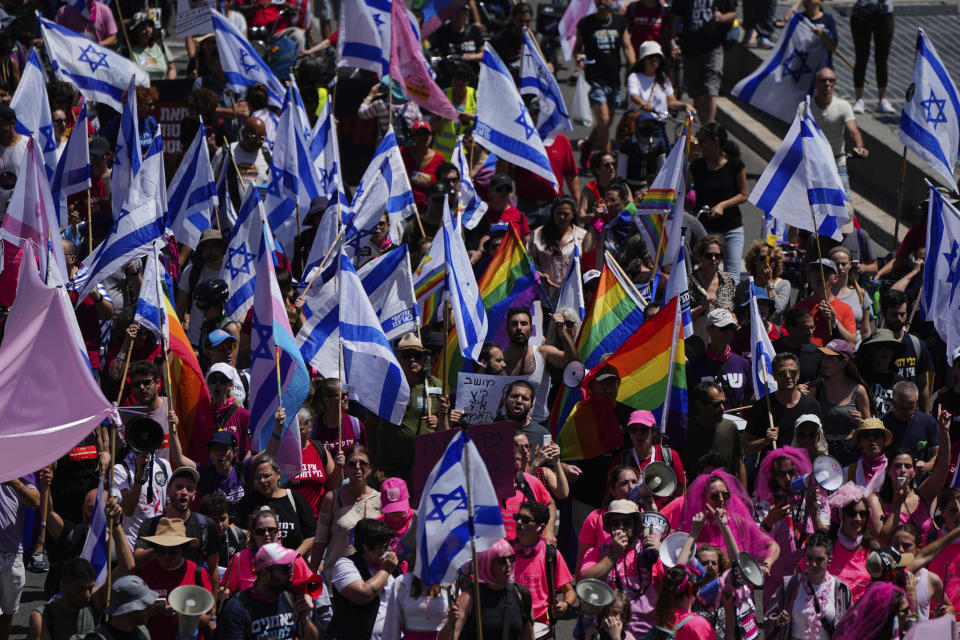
(196, 316)
(256, 159)
(833, 122)
(404, 613)
(147, 507)
(345, 573)
(797, 616)
(639, 85)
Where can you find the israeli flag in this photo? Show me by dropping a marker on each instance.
(241, 63)
(126, 155)
(929, 119)
(325, 151)
(472, 208)
(369, 201)
(151, 310)
(371, 370)
(141, 221)
(95, 548)
(327, 241)
(941, 271)
(761, 350)
(33, 111)
(363, 41)
(774, 227)
(677, 288)
(789, 72)
(537, 79)
(571, 290)
(458, 507)
(100, 74)
(801, 185)
(469, 313)
(72, 173)
(319, 335)
(239, 265)
(503, 125)
(388, 282)
(192, 194)
(398, 201)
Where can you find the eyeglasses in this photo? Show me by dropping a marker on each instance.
(503, 560)
(59, 121)
(716, 495)
(411, 355)
(354, 463)
(713, 256)
(609, 165)
(641, 428)
(827, 80)
(263, 476)
(787, 373)
(146, 382)
(262, 531)
(522, 519)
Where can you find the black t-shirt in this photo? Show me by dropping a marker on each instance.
(68, 545)
(508, 46)
(447, 42)
(809, 355)
(784, 418)
(601, 41)
(916, 435)
(295, 518)
(913, 366)
(716, 186)
(881, 386)
(700, 33)
(198, 526)
(247, 615)
(949, 400)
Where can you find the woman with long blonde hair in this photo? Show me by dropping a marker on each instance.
(849, 290)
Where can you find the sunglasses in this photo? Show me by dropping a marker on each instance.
(716, 495)
(713, 256)
(169, 551)
(856, 513)
(636, 430)
(353, 464)
(787, 373)
(874, 434)
(503, 560)
(608, 165)
(620, 522)
(59, 121)
(203, 306)
(262, 531)
(218, 380)
(522, 519)
(146, 382)
(827, 80)
(411, 355)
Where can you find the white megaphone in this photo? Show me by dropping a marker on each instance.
(670, 548)
(573, 374)
(190, 602)
(827, 474)
(594, 595)
(659, 479)
(747, 568)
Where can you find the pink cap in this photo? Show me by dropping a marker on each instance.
(394, 496)
(273, 554)
(642, 416)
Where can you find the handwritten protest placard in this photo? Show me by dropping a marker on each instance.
(480, 396)
(193, 17)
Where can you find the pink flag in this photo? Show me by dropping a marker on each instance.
(31, 208)
(408, 66)
(48, 398)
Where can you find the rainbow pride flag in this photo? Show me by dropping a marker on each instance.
(508, 281)
(651, 226)
(428, 288)
(652, 366)
(191, 398)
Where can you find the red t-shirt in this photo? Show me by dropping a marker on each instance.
(531, 572)
(420, 179)
(163, 582)
(310, 482)
(644, 23)
(511, 505)
(916, 238)
(821, 328)
(533, 187)
(512, 215)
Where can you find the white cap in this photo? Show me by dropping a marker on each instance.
(808, 417)
(721, 318)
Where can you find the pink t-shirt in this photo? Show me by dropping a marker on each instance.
(696, 628)
(592, 533)
(947, 566)
(100, 28)
(531, 572)
(512, 505)
(851, 568)
(639, 582)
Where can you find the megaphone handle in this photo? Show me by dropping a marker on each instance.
(150, 479)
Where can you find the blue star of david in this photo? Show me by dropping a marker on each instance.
(929, 105)
(245, 259)
(440, 510)
(247, 66)
(378, 19)
(522, 121)
(796, 73)
(260, 341)
(46, 133)
(953, 259)
(93, 58)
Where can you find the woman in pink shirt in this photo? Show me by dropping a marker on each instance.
(620, 482)
(672, 613)
(850, 515)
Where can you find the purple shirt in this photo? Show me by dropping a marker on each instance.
(230, 485)
(736, 380)
(11, 517)
(100, 28)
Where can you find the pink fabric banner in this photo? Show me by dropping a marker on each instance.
(49, 400)
(408, 66)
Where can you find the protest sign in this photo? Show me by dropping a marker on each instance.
(480, 396)
(193, 17)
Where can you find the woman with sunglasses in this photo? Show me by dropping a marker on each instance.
(621, 481)
(710, 288)
(808, 435)
(672, 613)
(506, 608)
(898, 501)
(872, 437)
(553, 244)
(603, 166)
(850, 516)
(844, 399)
(341, 510)
(329, 403)
(808, 605)
(876, 359)
(294, 515)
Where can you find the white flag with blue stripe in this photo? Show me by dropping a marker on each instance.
(371, 370)
(239, 265)
(801, 185)
(242, 65)
(761, 350)
(100, 74)
(571, 290)
(469, 314)
(325, 151)
(126, 156)
(388, 281)
(95, 545)
(537, 79)
(324, 240)
(319, 335)
(503, 124)
(141, 221)
(788, 73)
(33, 111)
(930, 119)
(677, 288)
(458, 503)
(72, 173)
(941, 271)
(363, 40)
(192, 194)
(472, 208)
(151, 310)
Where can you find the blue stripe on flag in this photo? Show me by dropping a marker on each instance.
(750, 88)
(782, 176)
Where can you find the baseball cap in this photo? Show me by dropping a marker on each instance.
(99, 147)
(129, 594)
(438, 190)
(807, 417)
(607, 372)
(501, 180)
(210, 234)
(721, 318)
(185, 472)
(827, 264)
(218, 336)
(394, 497)
(273, 554)
(590, 276)
(420, 124)
(642, 417)
(840, 348)
(223, 437)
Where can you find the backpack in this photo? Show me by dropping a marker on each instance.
(662, 633)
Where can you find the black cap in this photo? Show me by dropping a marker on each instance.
(99, 147)
(501, 180)
(7, 114)
(438, 190)
(223, 437)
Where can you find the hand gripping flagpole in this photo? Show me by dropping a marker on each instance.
(473, 536)
(763, 369)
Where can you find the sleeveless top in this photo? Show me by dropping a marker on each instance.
(923, 594)
(836, 417)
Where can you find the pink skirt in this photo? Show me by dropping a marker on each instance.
(420, 635)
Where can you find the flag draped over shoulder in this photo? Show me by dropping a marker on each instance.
(941, 271)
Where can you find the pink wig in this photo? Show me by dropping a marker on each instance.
(801, 462)
(485, 560)
(748, 534)
(869, 615)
